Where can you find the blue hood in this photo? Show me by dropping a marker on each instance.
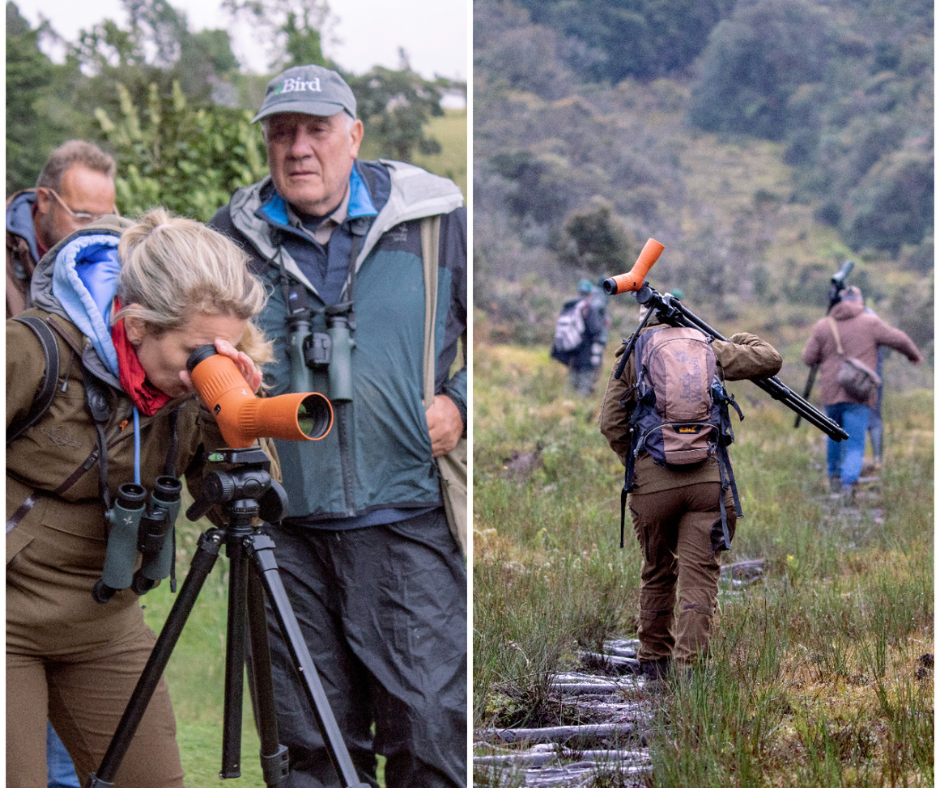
(84, 280)
(20, 220)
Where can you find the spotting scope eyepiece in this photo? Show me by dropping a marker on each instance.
(243, 417)
(632, 281)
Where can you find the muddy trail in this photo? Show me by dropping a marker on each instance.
(605, 712)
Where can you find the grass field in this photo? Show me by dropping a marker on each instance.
(815, 677)
(450, 130)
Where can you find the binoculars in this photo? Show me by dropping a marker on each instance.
(329, 352)
(139, 526)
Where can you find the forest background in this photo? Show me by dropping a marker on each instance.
(763, 142)
(174, 105)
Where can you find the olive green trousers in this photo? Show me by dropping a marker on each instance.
(674, 530)
(76, 663)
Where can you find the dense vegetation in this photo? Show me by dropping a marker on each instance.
(175, 106)
(778, 139)
(817, 675)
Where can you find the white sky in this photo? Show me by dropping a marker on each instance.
(434, 33)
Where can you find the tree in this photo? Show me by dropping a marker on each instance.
(31, 78)
(644, 39)
(294, 29)
(595, 240)
(395, 106)
(188, 159)
(893, 205)
(755, 61)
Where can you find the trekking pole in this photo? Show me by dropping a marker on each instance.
(837, 285)
(673, 312)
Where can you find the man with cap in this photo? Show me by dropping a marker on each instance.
(850, 331)
(372, 570)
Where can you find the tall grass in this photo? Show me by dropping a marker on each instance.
(814, 677)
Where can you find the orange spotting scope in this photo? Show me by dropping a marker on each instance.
(243, 417)
(632, 281)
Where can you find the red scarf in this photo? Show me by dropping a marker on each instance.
(147, 397)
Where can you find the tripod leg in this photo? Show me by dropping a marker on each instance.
(206, 554)
(274, 757)
(262, 554)
(234, 662)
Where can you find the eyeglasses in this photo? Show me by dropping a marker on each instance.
(81, 217)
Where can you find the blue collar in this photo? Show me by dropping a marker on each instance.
(360, 201)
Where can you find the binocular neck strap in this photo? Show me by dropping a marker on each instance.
(285, 277)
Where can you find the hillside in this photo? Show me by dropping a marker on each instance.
(571, 177)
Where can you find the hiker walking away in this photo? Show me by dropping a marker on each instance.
(75, 187)
(681, 501)
(580, 336)
(375, 576)
(849, 337)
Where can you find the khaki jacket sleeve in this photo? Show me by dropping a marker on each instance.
(747, 357)
(617, 407)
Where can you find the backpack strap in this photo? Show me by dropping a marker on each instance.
(835, 333)
(725, 471)
(50, 351)
(430, 251)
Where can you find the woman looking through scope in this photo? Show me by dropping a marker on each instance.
(127, 304)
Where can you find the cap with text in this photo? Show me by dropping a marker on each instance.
(309, 90)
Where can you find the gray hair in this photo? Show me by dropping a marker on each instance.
(173, 268)
(70, 154)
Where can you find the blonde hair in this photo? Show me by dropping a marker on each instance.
(173, 268)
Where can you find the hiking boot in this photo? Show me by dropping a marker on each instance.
(835, 484)
(847, 495)
(656, 673)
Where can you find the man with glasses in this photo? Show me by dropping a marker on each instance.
(75, 187)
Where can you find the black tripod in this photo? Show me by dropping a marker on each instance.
(245, 492)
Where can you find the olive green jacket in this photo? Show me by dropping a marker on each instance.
(52, 469)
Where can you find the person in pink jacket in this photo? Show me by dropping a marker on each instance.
(861, 333)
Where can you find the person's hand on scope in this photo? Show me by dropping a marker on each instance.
(245, 365)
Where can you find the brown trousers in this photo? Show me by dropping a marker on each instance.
(76, 663)
(674, 530)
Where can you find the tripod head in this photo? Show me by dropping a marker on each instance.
(246, 477)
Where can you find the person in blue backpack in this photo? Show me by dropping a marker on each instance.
(581, 335)
(679, 517)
